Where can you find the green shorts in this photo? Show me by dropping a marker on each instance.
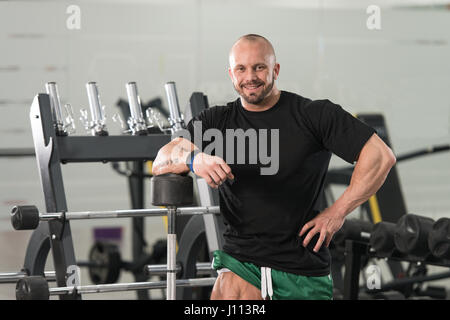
(286, 286)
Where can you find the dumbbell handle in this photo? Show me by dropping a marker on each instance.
(202, 268)
(98, 124)
(94, 102)
(52, 91)
(136, 122)
(174, 106)
(134, 101)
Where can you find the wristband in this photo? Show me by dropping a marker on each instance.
(190, 159)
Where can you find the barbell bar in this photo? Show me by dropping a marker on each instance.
(28, 217)
(114, 287)
(13, 277)
(36, 287)
(203, 268)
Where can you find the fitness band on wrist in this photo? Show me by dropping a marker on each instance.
(190, 159)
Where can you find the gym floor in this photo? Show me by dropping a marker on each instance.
(326, 50)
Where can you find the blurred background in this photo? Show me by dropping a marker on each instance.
(388, 57)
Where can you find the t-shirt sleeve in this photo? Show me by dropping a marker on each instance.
(337, 130)
(210, 118)
(197, 126)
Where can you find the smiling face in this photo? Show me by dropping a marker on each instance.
(253, 70)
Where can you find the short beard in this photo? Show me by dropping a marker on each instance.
(255, 99)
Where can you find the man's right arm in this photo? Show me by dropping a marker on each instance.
(172, 157)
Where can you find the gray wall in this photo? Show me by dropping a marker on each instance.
(325, 51)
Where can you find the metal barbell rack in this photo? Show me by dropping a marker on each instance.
(92, 149)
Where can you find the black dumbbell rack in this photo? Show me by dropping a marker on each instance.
(355, 250)
(52, 151)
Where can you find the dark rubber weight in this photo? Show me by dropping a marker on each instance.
(105, 263)
(351, 230)
(171, 190)
(382, 238)
(25, 217)
(32, 288)
(439, 239)
(411, 234)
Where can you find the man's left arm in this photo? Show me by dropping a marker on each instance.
(372, 167)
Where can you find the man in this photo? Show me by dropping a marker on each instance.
(276, 242)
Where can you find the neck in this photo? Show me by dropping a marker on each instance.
(268, 102)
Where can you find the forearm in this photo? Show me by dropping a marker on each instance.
(172, 157)
(373, 165)
(368, 176)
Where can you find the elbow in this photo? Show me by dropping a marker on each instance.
(394, 160)
(389, 158)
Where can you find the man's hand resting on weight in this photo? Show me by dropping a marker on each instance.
(172, 159)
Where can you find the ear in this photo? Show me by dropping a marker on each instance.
(230, 73)
(276, 71)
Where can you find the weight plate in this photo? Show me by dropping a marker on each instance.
(104, 263)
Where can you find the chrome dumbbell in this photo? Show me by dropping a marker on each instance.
(63, 120)
(137, 124)
(97, 125)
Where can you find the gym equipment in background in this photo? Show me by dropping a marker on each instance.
(386, 206)
(96, 148)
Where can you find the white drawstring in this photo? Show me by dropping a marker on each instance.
(263, 283)
(266, 283)
(269, 282)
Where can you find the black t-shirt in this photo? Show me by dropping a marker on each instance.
(265, 213)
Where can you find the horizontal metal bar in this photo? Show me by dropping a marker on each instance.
(17, 152)
(110, 148)
(202, 268)
(200, 282)
(50, 216)
(399, 283)
(423, 152)
(198, 210)
(115, 214)
(156, 212)
(13, 277)
(50, 275)
(343, 175)
(159, 269)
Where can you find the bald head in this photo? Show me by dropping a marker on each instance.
(253, 70)
(252, 40)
